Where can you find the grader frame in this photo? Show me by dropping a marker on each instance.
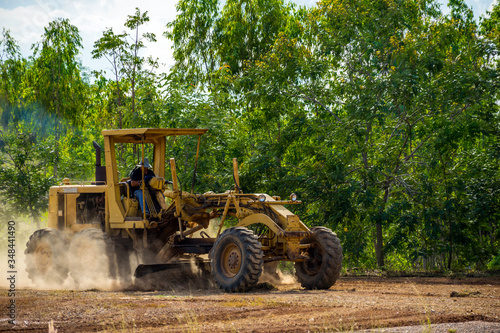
(172, 232)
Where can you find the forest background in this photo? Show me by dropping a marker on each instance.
(382, 116)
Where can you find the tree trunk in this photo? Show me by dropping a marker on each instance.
(57, 120)
(450, 254)
(379, 246)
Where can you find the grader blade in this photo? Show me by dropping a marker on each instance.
(185, 266)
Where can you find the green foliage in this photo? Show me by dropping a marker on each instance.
(55, 74)
(127, 66)
(23, 175)
(494, 263)
(192, 33)
(381, 115)
(368, 110)
(12, 67)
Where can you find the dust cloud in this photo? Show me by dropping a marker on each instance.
(280, 277)
(94, 271)
(23, 230)
(86, 268)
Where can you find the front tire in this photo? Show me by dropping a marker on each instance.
(323, 267)
(237, 260)
(46, 260)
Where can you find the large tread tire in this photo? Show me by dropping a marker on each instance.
(89, 259)
(237, 260)
(46, 260)
(323, 267)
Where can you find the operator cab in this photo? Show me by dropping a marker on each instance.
(152, 141)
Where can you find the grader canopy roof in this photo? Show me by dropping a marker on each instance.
(149, 135)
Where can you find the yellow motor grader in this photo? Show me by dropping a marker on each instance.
(99, 223)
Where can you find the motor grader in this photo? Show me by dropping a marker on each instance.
(99, 223)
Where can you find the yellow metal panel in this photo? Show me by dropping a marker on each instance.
(151, 135)
(131, 206)
(80, 227)
(235, 173)
(70, 209)
(66, 209)
(280, 210)
(128, 225)
(264, 219)
(159, 159)
(52, 217)
(114, 207)
(75, 188)
(294, 224)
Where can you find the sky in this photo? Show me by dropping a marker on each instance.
(26, 20)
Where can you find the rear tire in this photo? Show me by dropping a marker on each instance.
(323, 267)
(89, 262)
(236, 260)
(46, 261)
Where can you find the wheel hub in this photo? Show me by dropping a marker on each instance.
(231, 260)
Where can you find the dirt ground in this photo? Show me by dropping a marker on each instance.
(353, 303)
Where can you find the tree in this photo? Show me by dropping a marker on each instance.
(122, 52)
(12, 68)
(192, 33)
(215, 51)
(359, 101)
(55, 76)
(110, 46)
(130, 71)
(24, 177)
(134, 63)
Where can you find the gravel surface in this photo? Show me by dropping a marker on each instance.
(468, 327)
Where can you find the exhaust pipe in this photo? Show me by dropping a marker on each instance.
(100, 171)
(97, 153)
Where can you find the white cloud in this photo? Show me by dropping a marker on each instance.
(492, 3)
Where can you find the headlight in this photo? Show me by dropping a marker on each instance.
(262, 198)
(293, 197)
